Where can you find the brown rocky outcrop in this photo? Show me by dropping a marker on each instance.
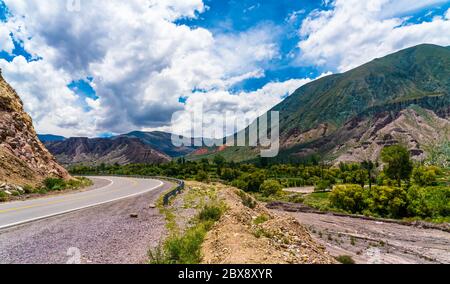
(23, 158)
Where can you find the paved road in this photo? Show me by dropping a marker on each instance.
(15, 213)
(104, 233)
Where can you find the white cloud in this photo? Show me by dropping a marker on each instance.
(47, 99)
(355, 32)
(253, 104)
(6, 42)
(141, 61)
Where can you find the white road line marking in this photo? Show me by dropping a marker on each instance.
(80, 208)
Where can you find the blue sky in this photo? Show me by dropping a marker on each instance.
(113, 66)
(285, 15)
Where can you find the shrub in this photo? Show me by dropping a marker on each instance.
(53, 184)
(157, 255)
(429, 202)
(3, 196)
(255, 180)
(202, 176)
(271, 187)
(28, 189)
(345, 259)
(247, 200)
(186, 249)
(211, 213)
(425, 176)
(229, 174)
(261, 219)
(386, 201)
(348, 197)
(322, 185)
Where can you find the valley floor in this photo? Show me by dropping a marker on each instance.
(369, 241)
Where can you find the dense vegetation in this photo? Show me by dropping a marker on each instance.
(399, 189)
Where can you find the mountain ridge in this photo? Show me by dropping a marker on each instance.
(314, 115)
(121, 150)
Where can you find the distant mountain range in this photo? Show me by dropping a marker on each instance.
(401, 98)
(118, 150)
(134, 147)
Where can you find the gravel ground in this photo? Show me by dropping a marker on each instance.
(104, 234)
(378, 242)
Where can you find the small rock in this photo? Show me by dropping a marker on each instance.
(152, 206)
(134, 215)
(8, 192)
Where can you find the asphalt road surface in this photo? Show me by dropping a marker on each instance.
(15, 213)
(94, 226)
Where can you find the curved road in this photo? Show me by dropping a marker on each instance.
(97, 229)
(15, 213)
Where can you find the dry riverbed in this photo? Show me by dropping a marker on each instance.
(369, 241)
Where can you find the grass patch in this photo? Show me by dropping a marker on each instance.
(186, 248)
(58, 184)
(345, 259)
(260, 232)
(3, 196)
(318, 200)
(261, 219)
(210, 213)
(247, 200)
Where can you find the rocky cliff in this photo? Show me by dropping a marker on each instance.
(23, 158)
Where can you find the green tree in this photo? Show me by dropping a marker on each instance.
(271, 187)
(202, 176)
(369, 166)
(398, 165)
(348, 197)
(229, 174)
(220, 161)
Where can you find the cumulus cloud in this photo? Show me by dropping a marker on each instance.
(354, 32)
(6, 42)
(48, 100)
(142, 62)
(215, 106)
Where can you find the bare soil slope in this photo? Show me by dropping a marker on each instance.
(258, 236)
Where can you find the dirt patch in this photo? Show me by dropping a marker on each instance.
(301, 190)
(377, 242)
(247, 235)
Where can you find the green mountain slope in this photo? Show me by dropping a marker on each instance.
(338, 115)
(413, 73)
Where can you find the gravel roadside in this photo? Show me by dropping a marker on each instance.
(104, 234)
